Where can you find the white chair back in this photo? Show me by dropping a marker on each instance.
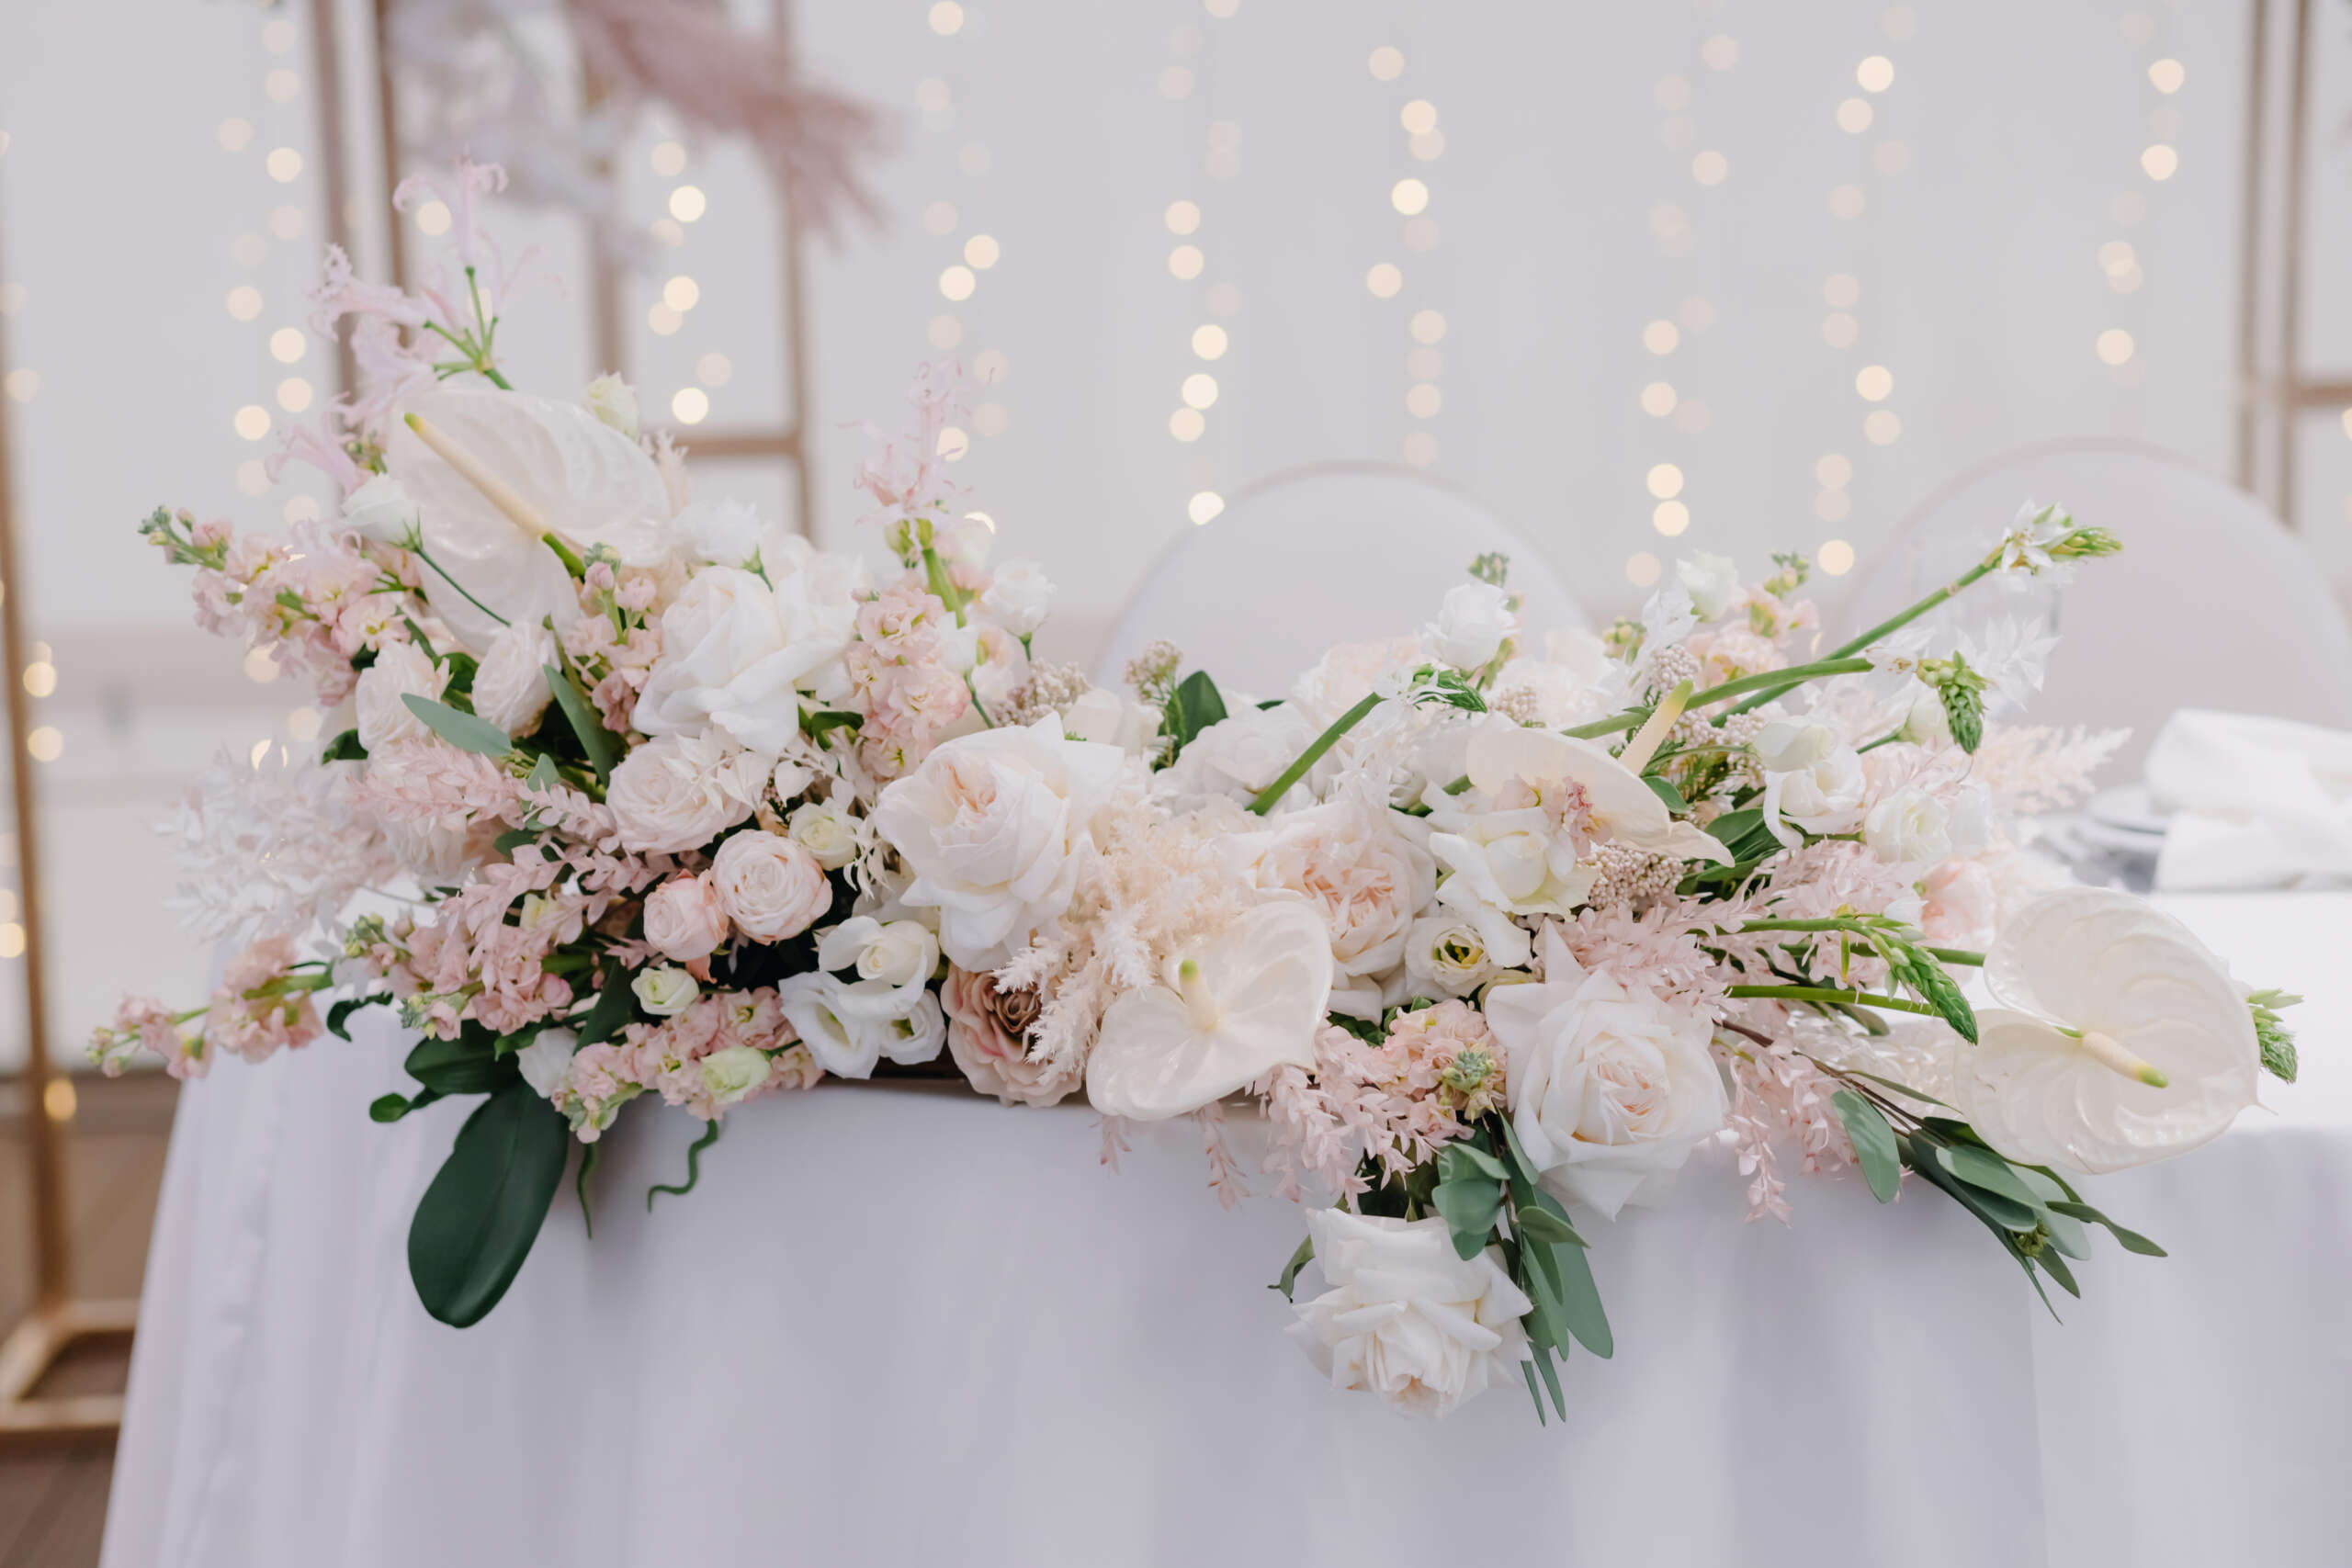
(2212, 604)
(1333, 553)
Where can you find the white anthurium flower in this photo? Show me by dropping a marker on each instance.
(1232, 1012)
(491, 473)
(2119, 1038)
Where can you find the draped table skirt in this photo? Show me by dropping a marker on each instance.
(904, 1324)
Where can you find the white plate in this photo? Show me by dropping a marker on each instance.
(2119, 840)
(2129, 808)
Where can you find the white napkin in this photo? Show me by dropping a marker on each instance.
(2256, 802)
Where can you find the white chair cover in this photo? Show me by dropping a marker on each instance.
(1340, 552)
(2212, 604)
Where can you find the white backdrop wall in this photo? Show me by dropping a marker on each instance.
(1617, 200)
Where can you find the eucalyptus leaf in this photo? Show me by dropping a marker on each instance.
(1874, 1141)
(1664, 789)
(2002, 1214)
(477, 1221)
(1580, 1302)
(467, 733)
(1551, 1381)
(1298, 1260)
(544, 774)
(2055, 1267)
(1988, 1172)
(1469, 1204)
(1462, 1158)
(2132, 1241)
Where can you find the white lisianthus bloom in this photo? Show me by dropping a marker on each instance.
(677, 793)
(613, 403)
(1472, 624)
(382, 510)
(1926, 723)
(847, 1036)
(994, 827)
(1610, 1087)
(896, 952)
(1407, 1318)
(725, 531)
(829, 834)
(737, 654)
(731, 1072)
(511, 687)
(1910, 827)
(1230, 1014)
(1018, 596)
(1111, 719)
(1238, 756)
(1812, 778)
(1711, 580)
(770, 887)
(664, 991)
(547, 1061)
(1451, 953)
(1360, 867)
(401, 670)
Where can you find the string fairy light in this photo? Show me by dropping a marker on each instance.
(1200, 388)
(2120, 263)
(971, 253)
(1862, 109)
(1408, 197)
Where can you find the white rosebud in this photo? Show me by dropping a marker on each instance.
(547, 1061)
(1018, 597)
(724, 532)
(1471, 625)
(381, 510)
(896, 952)
(1446, 955)
(664, 991)
(731, 1072)
(614, 401)
(824, 832)
(401, 670)
(1711, 581)
(1926, 724)
(511, 687)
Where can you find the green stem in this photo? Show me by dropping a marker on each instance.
(418, 550)
(1961, 956)
(978, 707)
(1882, 740)
(490, 373)
(1780, 680)
(1831, 997)
(934, 570)
(1892, 624)
(1313, 754)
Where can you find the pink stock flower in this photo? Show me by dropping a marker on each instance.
(907, 480)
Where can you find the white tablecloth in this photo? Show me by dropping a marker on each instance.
(910, 1327)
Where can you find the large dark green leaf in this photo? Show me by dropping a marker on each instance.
(477, 1221)
(1873, 1142)
(596, 742)
(468, 1065)
(615, 1005)
(467, 733)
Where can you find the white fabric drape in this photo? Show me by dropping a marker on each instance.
(909, 1326)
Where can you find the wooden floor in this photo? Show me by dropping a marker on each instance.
(54, 1498)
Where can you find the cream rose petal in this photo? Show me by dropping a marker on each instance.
(1258, 995)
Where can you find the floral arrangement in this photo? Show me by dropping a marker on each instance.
(1494, 931)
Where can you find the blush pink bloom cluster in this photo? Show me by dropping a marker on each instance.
(899, 679)
(616, 643)
(1396, 1103)
(907, 480)
(673, 1059)
(253, 1016)
(313, 601)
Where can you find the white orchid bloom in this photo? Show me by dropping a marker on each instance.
(2120, 1040)
(1248, 1003)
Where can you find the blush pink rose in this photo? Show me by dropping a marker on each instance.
(1963, 906)
(986, 1035)
(769, 885)
(684, 920)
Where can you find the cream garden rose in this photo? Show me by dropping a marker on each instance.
(1610, 1087)
(738, 651)
(994, 827)
(511, 687)
(401, 670)
(1362, 868)
(1472, 624)
(676, 792)
(1406, 1318)
(684, 920)
(770, 887)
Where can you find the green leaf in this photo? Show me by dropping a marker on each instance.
(1873, 1142)
(344, 748)
(390, 1107)
(1734, 825)
(1298, 1260)
(2055, 1267)
(1901, 1089)
(1469, 1204)
(468, 1065)
(1580, 1301)
(694, 1164)
(513, 839)
(2002, 1214)
(1539, 1224)
(339, 1015)
(615, 1005)
(544, 773)
(2132, 1241)
(1988, 1172)
(477, 1221)
(464, 730)
(816, 725)
(595, 741)
(1192, 706)
(508, 1045)
(1462, 1158)
(1551, 1381)
(1664, 789)
(2066, 1232)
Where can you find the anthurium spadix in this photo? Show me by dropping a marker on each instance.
(2119, 1038)
(1230, 1014)
(492, 474)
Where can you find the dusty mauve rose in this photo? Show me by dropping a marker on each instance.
(684, 920)
(769, 885)
(985, 1033)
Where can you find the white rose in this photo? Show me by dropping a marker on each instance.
(1471, 625)
(848, 1038)
(731, 1072)
(382, 510)
(511, 687)
(677, 793)
(547, 1061)
(725, 533)
(1359, 869)
(736, 654)
(1406, 1318)
(1240, 755)
(684, 920)
(400, 670)
(994, 827)
(770, 887)
(1823, 796)
(1610, 1087)
(1911, 827)
(1111, 719)
(828, 834)
(1711, 581)
(614, 401)
(664, 991)
(1448, 955)
(1018, 597)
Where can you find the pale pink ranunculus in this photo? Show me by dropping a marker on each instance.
(987, 1031)
(769, 885)
(684, 920)
(1962, 905)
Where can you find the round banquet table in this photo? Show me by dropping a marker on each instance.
(906, 1325)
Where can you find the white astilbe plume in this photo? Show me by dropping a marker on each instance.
(1155, 885)
(270, 849)
(2040, 767)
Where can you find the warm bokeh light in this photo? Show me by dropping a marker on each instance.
(1670, 517)
(1641, 568)
(1408, 197)
(1384, 279)
(690, 405)
(1660, 336)
(1875, 74)
(1666, 481)
(1836, 557)
(1205, 506)
(1209, 341)
(1388, 63)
